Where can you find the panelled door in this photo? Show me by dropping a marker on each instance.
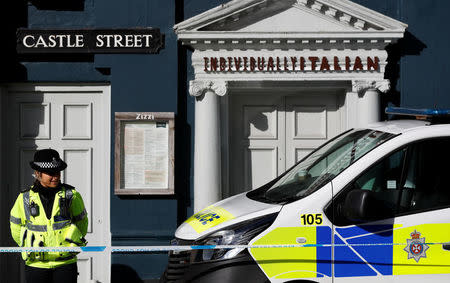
(271, 132)
(75, 122)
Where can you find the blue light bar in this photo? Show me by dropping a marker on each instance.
(417, 112)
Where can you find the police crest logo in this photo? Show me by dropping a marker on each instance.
(416, 247)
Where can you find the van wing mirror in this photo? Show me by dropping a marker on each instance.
(362, 206)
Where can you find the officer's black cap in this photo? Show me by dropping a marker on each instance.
(47, 161)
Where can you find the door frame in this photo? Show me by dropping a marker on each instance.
(282, 88)
(105, 138)
(3, 206)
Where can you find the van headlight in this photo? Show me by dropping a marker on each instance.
(238, 234)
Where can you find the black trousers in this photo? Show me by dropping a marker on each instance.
(63, 274)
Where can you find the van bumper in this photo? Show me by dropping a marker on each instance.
(239, 269)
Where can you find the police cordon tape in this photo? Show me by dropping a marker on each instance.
(140, 249)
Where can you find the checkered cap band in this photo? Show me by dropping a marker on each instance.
(48, 165)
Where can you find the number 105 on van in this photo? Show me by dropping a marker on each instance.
(311, 219)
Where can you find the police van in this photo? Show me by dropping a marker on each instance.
(372, 204)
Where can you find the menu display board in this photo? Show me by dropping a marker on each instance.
(144, 153)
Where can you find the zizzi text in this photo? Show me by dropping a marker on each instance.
(145, 117)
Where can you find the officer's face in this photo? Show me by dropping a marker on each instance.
(49, 180)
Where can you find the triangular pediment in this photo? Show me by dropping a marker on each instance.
(295, 20)
(289, 16)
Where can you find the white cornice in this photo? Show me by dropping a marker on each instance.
(289, 40)
(286, 35)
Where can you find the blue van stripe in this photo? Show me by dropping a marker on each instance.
(353, 231)
(379, 257)
(323, 250)
(347, 263)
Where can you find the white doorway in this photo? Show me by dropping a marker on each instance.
(74, 120)
(270, 130)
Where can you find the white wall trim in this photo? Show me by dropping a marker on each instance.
(57, 87)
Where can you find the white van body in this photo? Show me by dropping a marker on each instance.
(383, 218)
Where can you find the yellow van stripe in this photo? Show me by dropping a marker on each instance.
(287, 263)
(437, 260)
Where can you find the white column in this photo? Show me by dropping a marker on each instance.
(207, 161)
(368, 102)
(351, 105)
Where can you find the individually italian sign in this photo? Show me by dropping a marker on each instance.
(293, 63)
(138, 40)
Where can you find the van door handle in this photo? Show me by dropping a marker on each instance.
(300, 240)
(446, 246)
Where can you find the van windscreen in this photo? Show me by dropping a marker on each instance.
(321, 166)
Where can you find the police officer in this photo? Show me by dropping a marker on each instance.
(49, 214)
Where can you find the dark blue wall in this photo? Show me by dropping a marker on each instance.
(417, 68)
(43, 17)
(423, 68)
(141, 83)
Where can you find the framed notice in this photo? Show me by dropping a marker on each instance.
(144, 153)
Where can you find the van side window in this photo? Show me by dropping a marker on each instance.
(384, 176)
(415, 178)
(427, 182)
(384, 181)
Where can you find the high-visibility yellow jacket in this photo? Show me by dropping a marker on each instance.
(58, 231)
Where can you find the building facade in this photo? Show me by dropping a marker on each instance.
(254, 87)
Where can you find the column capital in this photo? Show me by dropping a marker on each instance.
(362, 86)
(197, 88)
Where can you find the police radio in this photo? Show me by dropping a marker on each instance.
(34, 209)
(64, 207)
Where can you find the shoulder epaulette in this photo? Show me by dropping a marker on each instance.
(67, 186)
(26, 189)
